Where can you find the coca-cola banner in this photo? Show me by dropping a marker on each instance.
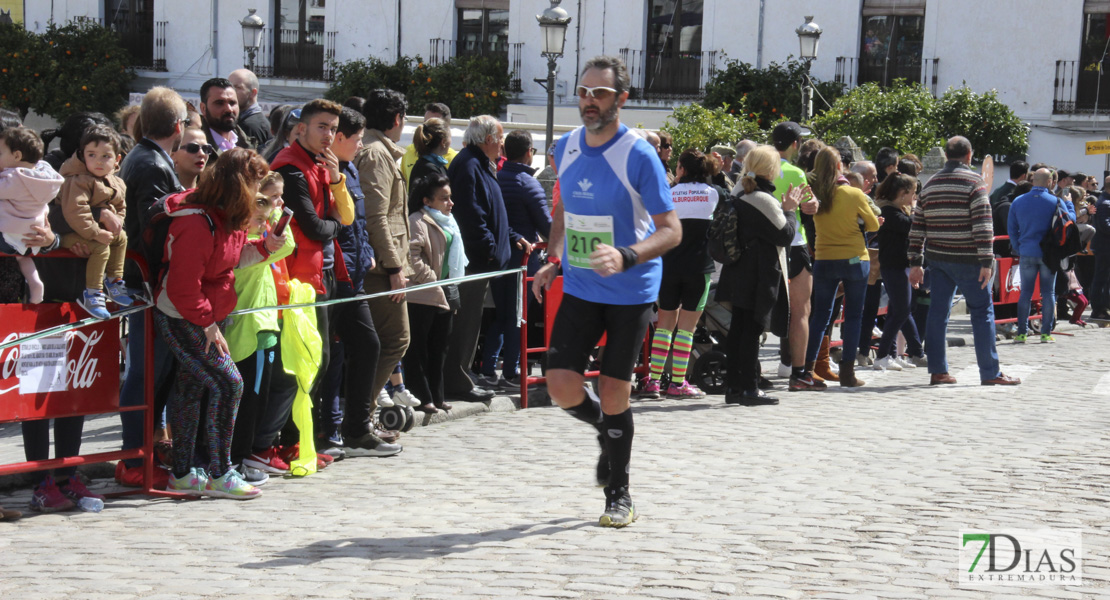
(73, 373)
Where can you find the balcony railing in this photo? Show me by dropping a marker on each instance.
(296, 54)
(669, 76)
(1080, 89)
(850, 72)
(142, 37)
(440, 51)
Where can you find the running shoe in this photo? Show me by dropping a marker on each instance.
(405, 398)
(232, 486)
(685, 390)
(75, 489)
(253, 476)
(1019, 338)
(133, 476)
(93, 301)
(192, 484)
(48, 498)
(371, 445)
(904, 362)
(619, 510)
(886, 363)
(384, 399)
(117, 292)
(1047, 339)
(806, 383)
(919, 361)
(268, 460)
(649, 388)
(864, 360)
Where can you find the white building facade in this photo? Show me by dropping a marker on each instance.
(1044, 59)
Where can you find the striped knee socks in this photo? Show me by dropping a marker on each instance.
(683, 345)
(660, 347)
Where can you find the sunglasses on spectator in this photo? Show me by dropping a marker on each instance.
(664, 146)
(193, 148)
(600, 92)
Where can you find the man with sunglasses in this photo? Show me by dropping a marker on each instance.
(615, 221)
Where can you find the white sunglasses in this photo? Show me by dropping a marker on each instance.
(592, 92)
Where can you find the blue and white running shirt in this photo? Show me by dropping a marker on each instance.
(609, 194)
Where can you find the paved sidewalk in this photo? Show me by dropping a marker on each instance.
(841, 494)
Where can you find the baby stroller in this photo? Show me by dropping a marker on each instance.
(709, 368)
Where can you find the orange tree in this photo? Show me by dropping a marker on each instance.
(771, 94)
(24, 68)
(73, 68)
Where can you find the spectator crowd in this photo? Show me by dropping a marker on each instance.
(234, 209)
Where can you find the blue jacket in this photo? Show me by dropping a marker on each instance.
(1030, 218)
(480, 211)
(1101, 243)
(358, 254)
(525, 203)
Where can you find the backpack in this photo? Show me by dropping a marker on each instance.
(156, 228)
(1061, 241)
(723, 236)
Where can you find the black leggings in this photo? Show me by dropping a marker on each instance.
(67, 442)
(742, 351)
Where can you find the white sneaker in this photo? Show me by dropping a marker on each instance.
(863, 360)
(904, 363)
(405, 398)
(887, 363)
(834, 368)
(784, 370)
(384, 400)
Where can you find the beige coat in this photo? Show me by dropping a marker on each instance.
(386, 203)
(427, 249)
(83, 191)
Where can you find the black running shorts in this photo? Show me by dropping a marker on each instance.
(686, 290)
(797, 258)
(578, 327)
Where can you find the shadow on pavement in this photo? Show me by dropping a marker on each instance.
(411, 547)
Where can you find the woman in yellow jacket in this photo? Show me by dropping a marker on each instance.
(841, 258)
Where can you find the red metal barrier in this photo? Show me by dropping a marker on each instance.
(1009, 286)
(552, 299)
(87, 385)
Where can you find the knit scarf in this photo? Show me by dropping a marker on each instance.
(437, 159)
(456, 256)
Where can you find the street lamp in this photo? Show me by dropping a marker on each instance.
(809, 33)
(553, 24)
(252, 35)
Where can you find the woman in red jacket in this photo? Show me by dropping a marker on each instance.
(207, 239)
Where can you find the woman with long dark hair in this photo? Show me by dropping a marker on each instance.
(685, 282)
(436, 253)
(895, 198)
(207, 239)
(841, 258)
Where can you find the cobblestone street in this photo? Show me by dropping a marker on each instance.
(842, 494)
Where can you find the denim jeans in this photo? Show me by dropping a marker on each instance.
(827, 276)
(945, 277)
(898, 318)
(1030, 268)
(133, 392)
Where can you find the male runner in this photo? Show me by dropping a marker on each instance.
(616, 219)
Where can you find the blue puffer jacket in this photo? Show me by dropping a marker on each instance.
(353, 239)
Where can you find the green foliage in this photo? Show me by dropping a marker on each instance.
(772, 94)
(989, 124)
(73, 68)
(470, 85)
(358, 77)
(694, 126)
(902, 116)
(24, 68)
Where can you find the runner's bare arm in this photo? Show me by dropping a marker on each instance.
(668, 234)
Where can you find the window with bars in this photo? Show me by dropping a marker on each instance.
(300, 43)
(482, 31)
(891, 41)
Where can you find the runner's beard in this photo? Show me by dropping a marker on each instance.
(603, 119)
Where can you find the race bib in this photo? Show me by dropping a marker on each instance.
(583, 234)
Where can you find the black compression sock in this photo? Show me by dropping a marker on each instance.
(589, 411)
(619, 430)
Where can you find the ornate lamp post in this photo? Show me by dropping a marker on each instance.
(252, 35)
(553, 25)
(809, 33)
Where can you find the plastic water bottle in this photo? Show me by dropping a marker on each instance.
(93, 505)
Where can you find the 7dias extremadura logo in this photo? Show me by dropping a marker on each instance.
(1016, 557)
